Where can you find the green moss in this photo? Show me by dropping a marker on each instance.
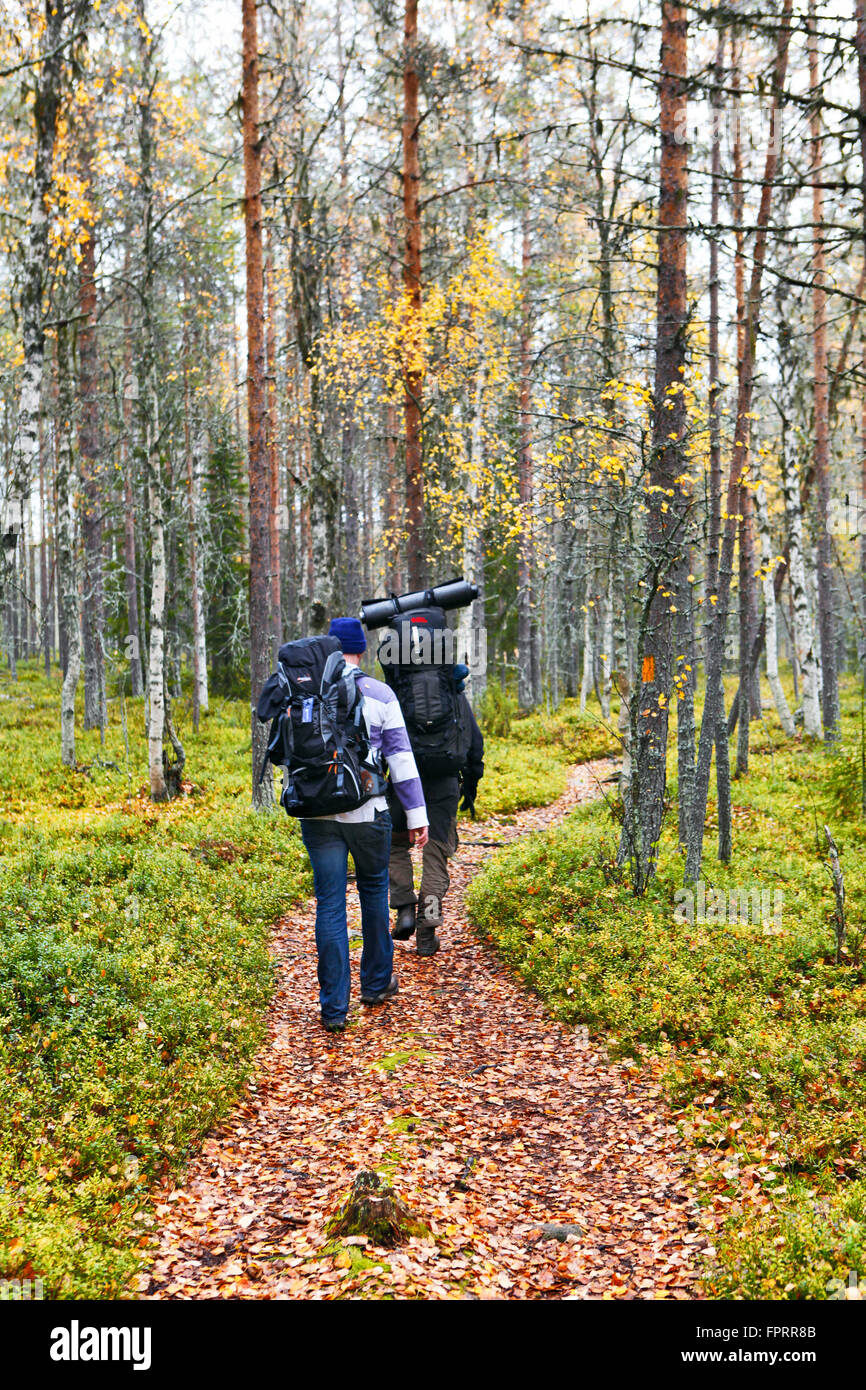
(134, 975)
(392, 1060)
(406, 1124)
(351, 1258)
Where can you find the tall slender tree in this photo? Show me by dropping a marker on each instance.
(826, 616)
(643, 822)
(413, 366)
(92, 481)
(257, 444)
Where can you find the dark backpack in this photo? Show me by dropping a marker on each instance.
(319, 734)
(417, 657)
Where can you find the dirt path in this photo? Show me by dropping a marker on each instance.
(490, 1119)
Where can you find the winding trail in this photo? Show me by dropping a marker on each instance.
(492, 1120)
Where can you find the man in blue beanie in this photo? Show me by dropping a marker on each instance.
(365, 833)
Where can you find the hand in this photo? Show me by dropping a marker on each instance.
(470, 791)
(419, 836)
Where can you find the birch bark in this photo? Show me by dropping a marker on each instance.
(771, 634)
(67, 555)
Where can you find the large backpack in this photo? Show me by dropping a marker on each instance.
(318, 734)
(417, 658)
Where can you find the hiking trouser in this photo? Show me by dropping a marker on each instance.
(329, 844)
(441, 795)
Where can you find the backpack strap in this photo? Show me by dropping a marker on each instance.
(285, 736)
(328, 695)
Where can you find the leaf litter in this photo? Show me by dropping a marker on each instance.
(542, 1169)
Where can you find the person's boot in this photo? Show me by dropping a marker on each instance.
(404, 927)
(427, 940)
(383, 995)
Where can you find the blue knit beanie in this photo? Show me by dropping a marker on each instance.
(349, 633)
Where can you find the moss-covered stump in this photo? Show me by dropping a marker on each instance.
(374, 1210)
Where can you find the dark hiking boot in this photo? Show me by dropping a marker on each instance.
(382, 995)
(404, 927)
(428, 941)
(334, 1025)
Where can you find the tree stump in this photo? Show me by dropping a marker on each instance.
(374, 1210)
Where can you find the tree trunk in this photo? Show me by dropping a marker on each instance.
(413, 365)
(259, 471)
(803, 634)
(607, 647)
(67, 558)
(826, 616)
(471, 633)
(395, 486)
(586, 677)
(860, 40)
(149, 423)
(196, 456)
(863, 542)
(306, 564)
(93, 612)
(156, 660)
(48, 77)
(771, 636)
(747, 615)
(643, 821)
(352, 508)
(134, 646)
(747, 597)
(276, 615)
(526, 620)
(45, 606)
(685, 688)
(720, 739)
(394, 519)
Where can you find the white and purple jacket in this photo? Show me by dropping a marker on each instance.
(387, 729)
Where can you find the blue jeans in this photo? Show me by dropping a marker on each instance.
(329, 844)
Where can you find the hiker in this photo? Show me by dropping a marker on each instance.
(449, 750)
(339, 725)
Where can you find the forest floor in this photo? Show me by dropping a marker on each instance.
(744, 1012)
(491, 1120)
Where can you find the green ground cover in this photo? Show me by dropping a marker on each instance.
(134, 976)
(759, 1035)
(527, 764)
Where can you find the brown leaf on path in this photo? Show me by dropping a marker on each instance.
(491, 1120)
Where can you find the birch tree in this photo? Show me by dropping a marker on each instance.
(829, 679)
(771, 639)
(66, 485)
(257, 451)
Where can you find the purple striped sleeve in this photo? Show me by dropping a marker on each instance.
(395, 740)
(388, 731)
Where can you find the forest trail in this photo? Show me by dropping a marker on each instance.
(490, 1118)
